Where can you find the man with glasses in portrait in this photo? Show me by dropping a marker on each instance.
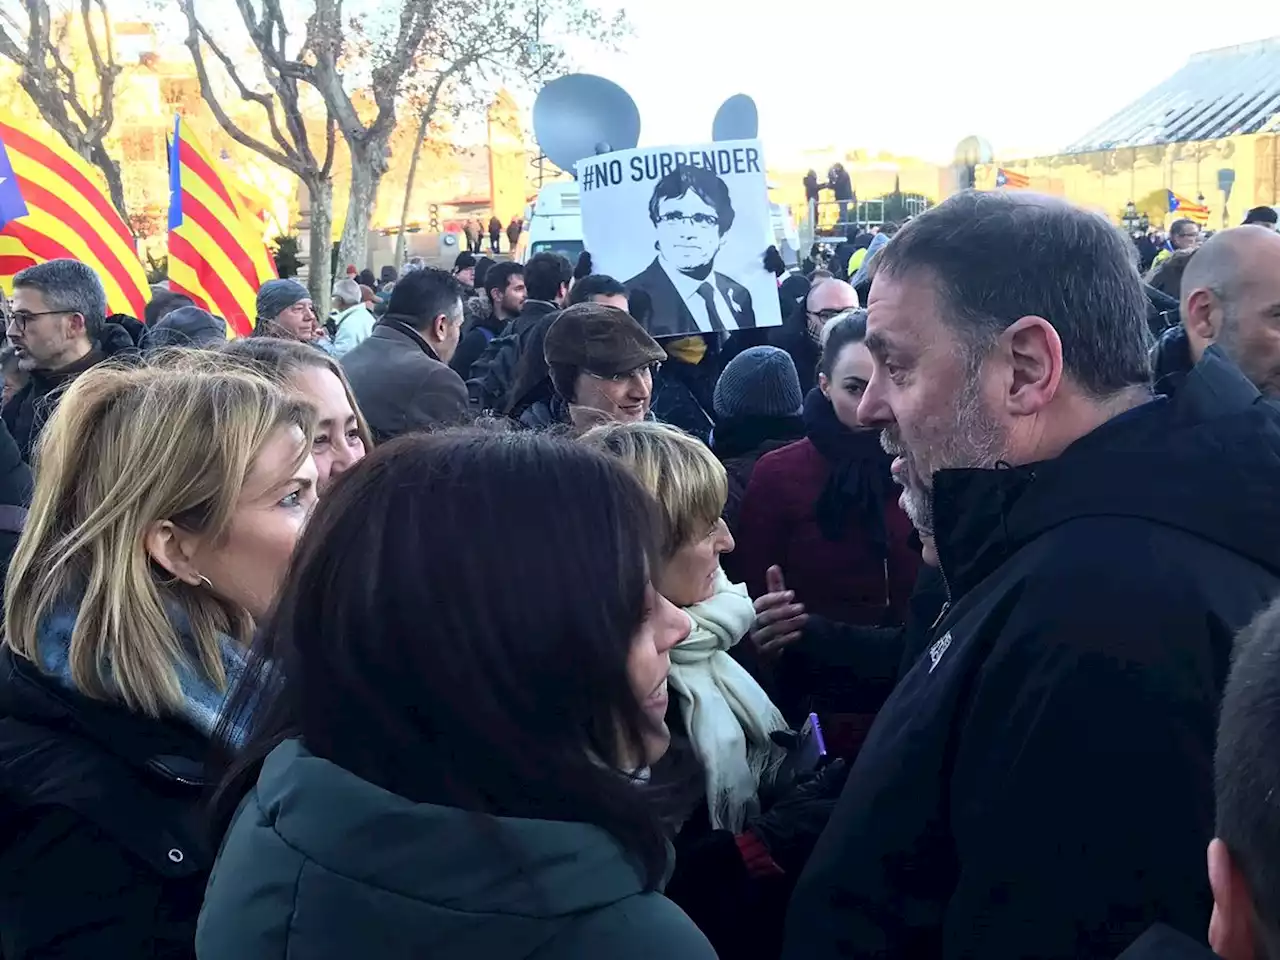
(692, 213)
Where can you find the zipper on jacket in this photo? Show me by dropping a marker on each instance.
(941, 569)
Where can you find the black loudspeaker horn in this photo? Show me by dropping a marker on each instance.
(581, 115)
(737, 119)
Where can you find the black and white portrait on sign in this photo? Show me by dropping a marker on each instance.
(695, 263)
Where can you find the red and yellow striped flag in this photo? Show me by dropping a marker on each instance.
(215, 255)
(53, 206)
(1012, 179)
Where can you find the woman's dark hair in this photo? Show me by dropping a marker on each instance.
(849, 327)
(391, 654)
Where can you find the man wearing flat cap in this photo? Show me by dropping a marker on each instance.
(602, 364)
(285, 312)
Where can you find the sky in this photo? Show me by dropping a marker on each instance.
(912, 77)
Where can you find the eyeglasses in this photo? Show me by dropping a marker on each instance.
(690, 219)
(828, 314)
(20, 318)
(650, 368)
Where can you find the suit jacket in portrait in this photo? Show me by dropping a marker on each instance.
(671, 316)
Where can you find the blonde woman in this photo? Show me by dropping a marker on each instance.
(729, 720)
(167, 503)
(342, 438)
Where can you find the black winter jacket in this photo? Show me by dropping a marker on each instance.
(492, 376)
(1040, 784)
(1171, 360)
(102, 848)
(15, 494)
(28, 410)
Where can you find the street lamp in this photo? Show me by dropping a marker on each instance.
(1132, 220)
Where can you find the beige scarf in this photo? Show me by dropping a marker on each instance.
(728, 716)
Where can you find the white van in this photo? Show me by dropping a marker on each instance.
(554, 222)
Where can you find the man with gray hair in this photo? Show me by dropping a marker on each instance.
(1231, 297)
(57, 325)
(1040, 784)
(351, 322)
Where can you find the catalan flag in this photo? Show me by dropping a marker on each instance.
(1187, 208)
(216, 257)
(53, 206)
(1011, 178)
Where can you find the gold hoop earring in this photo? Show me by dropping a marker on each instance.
(205, 581)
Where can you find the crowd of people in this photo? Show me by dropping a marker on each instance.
(475, 621)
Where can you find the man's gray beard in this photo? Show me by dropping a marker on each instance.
(975, 441)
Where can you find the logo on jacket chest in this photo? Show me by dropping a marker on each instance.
(938, 649)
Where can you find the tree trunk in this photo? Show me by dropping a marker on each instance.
(423, 124)
(319, 272)
(100, 158)
(367, 167)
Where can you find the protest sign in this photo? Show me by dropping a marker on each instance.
(685, 228)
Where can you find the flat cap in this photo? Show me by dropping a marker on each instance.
(601, 339)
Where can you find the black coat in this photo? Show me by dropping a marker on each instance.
(1040, 784)
(30, 408)
(493, 375)
(15, 494)
(793, 337)
(103, 853)
(474, 340)
(1171, 360)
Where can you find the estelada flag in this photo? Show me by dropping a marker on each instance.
(53, 206)
(1188, 208)
(1011, 178)
(215, 256)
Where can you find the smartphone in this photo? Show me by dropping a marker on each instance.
(812, 748)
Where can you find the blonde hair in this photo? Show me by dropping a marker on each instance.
(129, 447)
(679, 471)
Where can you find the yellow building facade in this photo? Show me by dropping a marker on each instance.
(1216, 118)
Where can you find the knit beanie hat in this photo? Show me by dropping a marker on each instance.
(759, 382)
(277, 296)
(188, 327)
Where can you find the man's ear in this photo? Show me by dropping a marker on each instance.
(1033, 352)
(1202, 316)
(76, 325)
(1231, 928)
(173, 549)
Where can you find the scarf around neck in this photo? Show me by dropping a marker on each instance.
(858, 482)
(202, 702)
(728, 715)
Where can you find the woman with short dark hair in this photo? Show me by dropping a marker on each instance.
(443, 769)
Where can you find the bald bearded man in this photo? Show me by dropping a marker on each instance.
(1230, 297)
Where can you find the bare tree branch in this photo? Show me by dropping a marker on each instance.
(51, 84)
(290, 145)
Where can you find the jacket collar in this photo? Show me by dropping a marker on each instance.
(394, 326)
(157, 748)
(1173, 461)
